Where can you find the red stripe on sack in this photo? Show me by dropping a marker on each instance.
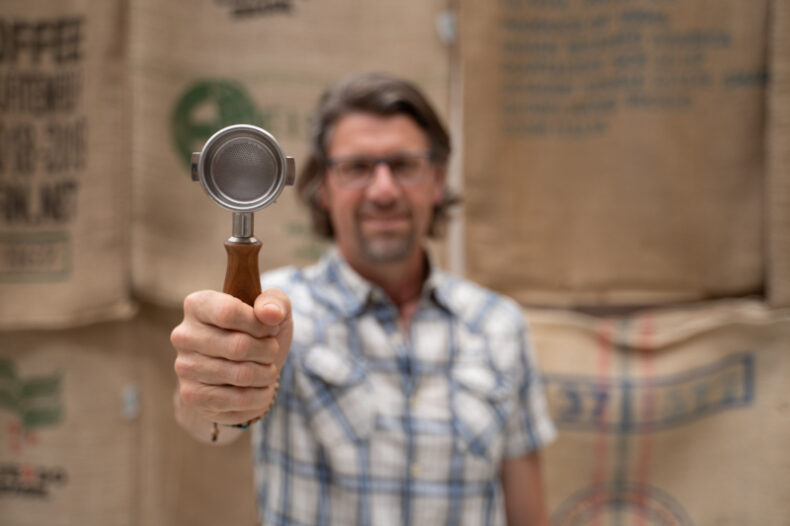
(645, 342)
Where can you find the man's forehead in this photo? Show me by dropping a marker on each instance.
(375, 133)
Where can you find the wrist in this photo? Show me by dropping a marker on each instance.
(198, 426)
(215, 427)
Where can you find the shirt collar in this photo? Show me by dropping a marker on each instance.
(343, 288)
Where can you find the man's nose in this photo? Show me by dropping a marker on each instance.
(383, 184)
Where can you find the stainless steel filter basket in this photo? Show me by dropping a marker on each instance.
(242, 168)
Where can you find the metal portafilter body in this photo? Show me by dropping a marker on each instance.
(243, 169)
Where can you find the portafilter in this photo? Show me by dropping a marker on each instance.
(243, 169)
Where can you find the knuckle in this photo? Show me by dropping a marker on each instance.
(267, 397)
(189, 395)
(191, 302)
(243, 375)
(272, 373)
(183, 367)
(278, 352)
(178, 336)
(226, 313)
(239, 346)
(179, 367)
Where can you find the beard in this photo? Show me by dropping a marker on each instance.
(387, 246)
(387, 249)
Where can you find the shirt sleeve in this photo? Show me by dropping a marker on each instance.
(529, 426)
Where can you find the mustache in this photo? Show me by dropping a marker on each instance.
(393, 207)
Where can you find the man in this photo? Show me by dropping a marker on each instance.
(408, 396)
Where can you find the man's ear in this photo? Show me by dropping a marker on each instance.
(441, 181)
(321, 195)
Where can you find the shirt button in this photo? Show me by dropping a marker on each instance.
(415, 469)
(396, 339)
(413, 401)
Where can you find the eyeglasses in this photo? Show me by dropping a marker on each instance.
(408, 169)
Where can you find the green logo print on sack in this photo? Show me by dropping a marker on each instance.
(206, 107)
(35, 401)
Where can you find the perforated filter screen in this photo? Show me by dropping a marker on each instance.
(243, 169)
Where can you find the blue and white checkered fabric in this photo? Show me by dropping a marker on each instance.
(376, 427)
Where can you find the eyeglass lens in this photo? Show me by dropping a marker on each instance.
(406, 168)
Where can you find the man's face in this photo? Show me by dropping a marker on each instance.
(383, 221)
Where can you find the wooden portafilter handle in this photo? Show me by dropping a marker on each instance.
(242, 279)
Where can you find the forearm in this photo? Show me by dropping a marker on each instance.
(522, 485)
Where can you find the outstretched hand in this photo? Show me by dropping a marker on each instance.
(229, 356)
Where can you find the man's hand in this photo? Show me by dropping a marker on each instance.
(229, 358)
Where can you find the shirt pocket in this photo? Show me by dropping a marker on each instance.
(481, 403)
(338, 399)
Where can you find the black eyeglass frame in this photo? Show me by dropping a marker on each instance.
(373, 162)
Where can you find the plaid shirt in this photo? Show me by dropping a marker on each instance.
(372, 426)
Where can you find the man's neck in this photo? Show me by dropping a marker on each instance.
(402, 281)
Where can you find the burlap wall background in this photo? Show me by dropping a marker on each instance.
(88, 435)
(64, 162)
(665, 417)
(614, 153)
(153, 81)
(778, 158)
(674, 417)
(69, 441)
(226, 65)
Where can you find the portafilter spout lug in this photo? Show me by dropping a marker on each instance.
(194, 166)
(290, 175)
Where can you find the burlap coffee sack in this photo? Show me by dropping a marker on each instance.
(673, 417)
(64, 163)
(68, 414)
(778, 125)
(182, 482)
(615, 151)
(263, 63)
(88, 435)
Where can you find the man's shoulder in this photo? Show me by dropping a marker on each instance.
(283, 277)
(481, 309)
(293, 281)
(306, 286)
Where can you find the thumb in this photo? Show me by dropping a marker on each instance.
(272, 307)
